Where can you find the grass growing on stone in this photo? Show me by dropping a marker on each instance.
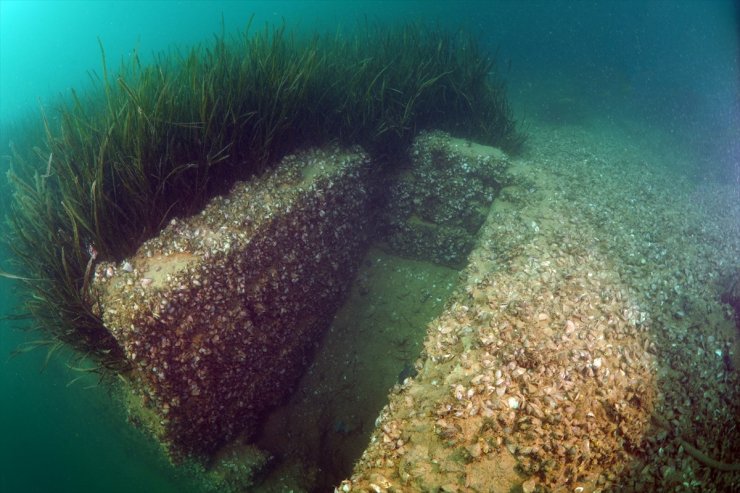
(151, 142)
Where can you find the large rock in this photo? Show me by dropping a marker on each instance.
(219, 315)
(442, 197)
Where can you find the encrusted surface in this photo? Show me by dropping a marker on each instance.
(442, 197)
(219, 314)
(588, 350)
(538, 364)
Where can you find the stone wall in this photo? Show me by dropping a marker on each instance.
(219, 315)
(441, 199)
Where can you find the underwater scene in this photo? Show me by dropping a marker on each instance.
(369, 246)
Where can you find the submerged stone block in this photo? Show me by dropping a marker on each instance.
(441, 199)
(219, 314)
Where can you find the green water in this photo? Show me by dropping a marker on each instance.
(667, 65)
(58, 437)
(66, 435)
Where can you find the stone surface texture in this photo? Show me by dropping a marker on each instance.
(219, 315)
(441, 198)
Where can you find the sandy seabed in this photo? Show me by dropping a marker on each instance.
(587, 350)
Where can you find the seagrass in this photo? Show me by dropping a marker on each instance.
(150, 142)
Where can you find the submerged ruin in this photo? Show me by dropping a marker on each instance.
(253, 330)
(220, 314)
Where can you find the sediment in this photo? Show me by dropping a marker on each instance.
(219, 314)
(589, 311)
(574, 328)
(536, 370)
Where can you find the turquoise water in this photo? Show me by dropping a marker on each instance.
(671, 65)
(59, 436)
(674, 64)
